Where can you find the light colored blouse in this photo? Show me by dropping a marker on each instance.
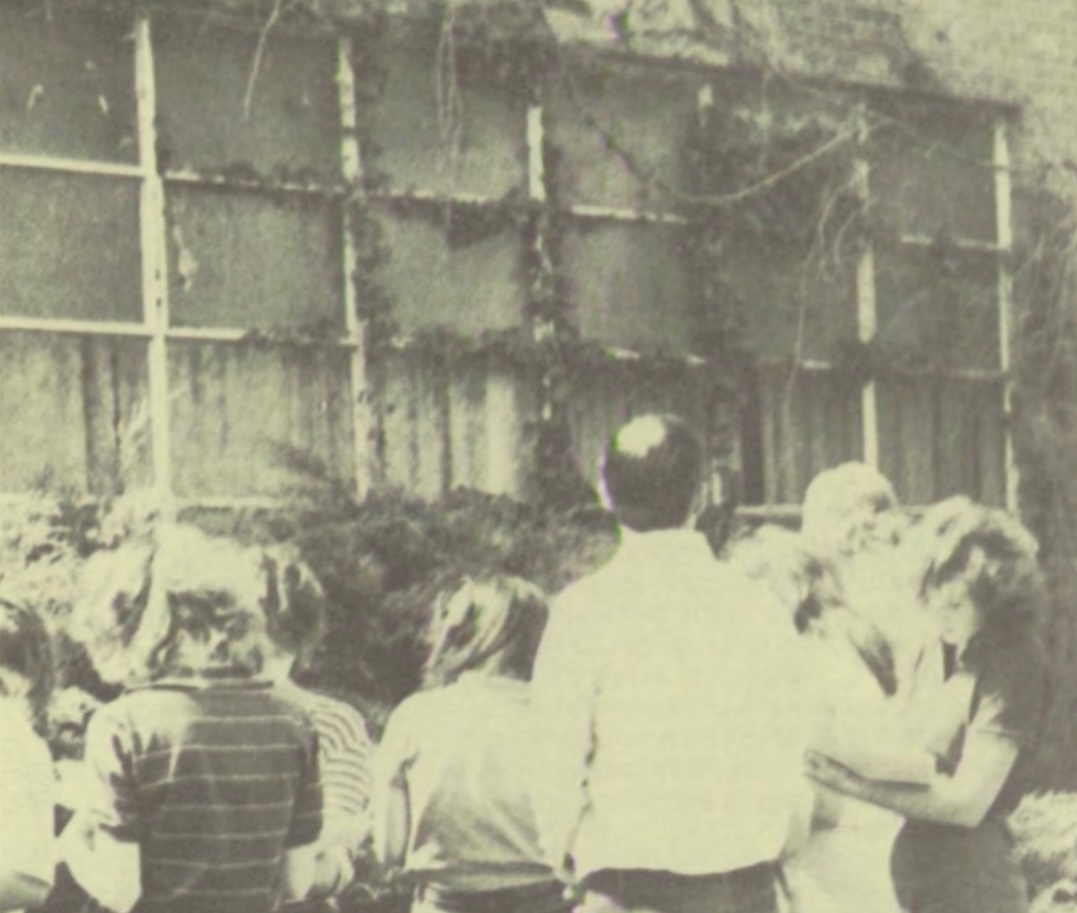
(458, 755)
(26, 799)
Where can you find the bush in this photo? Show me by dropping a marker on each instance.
(1044, 828)
(381, 563)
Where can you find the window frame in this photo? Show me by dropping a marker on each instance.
(155, 328)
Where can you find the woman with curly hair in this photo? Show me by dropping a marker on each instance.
(976, 705)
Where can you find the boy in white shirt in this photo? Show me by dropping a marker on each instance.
(669, 723)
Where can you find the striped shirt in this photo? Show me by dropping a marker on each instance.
(215, 780)
(345, 751)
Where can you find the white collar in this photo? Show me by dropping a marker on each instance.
(679, 544)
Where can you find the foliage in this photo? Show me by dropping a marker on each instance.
(381, 563)
(774, 159)
(1044, 433)
(1044, 829)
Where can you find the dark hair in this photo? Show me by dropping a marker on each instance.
(651, 472)
(996, 555)
(494, 623)
(25, 648)
(293, 603)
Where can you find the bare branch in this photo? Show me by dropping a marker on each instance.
(259, 53)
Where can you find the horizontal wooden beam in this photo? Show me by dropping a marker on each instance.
(76, 327)
(71, 166)
(913, 240)
(252, 185)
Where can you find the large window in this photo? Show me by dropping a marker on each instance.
(179, 239)
(173, 307)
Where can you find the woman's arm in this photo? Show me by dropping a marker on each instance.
(962, 800)
(392, 821)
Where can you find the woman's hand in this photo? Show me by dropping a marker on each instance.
(833, 775)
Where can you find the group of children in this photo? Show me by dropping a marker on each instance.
(215, 784)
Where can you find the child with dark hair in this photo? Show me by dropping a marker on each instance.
(202, 774)
(451, 808)
(669, 709)
(27, 857)
(295, 624)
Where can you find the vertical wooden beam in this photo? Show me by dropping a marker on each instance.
(536, 193)
(153, 238)
(1004, 242)
(714, 492)
(866, 317)
(363, 417)
(536, 162)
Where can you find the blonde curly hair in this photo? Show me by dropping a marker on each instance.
(145, 604)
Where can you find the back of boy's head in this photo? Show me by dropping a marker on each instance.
(179, 600)
(493, 624)
(25, 651)
(651, 472)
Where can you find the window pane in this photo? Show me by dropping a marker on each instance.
(931, 173)
(66, 84)
(942, 436)
(250, 261)
(451, 267)
(649, 113)
(938, 308)
(246, 418)
(796, 425)
(476, 145)
(69, 246)
(203, 76)
(788, 302)
(464, 424)
(74, 413)
(605, 396)
(633, 285)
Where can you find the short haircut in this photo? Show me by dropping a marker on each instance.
(651, 472)
(25, 648)
(493, 623)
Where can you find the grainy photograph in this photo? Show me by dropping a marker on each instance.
(538, 456)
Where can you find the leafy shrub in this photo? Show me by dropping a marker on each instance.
(381, 563)
(1044, 827)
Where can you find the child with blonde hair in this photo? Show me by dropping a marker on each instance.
(204, 785)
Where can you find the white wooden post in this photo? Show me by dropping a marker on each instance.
(153, 236)
(1004, 239)
(363, 417)
(866, 318)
